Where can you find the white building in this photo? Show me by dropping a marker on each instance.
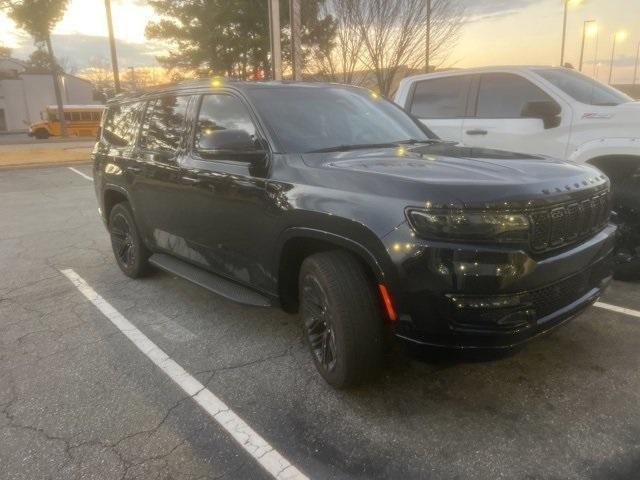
(23, 95)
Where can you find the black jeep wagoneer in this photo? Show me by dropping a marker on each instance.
(334, 202)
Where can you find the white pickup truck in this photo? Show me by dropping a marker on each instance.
(550, 111)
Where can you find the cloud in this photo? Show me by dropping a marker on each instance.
(83, 50)
(481, 10)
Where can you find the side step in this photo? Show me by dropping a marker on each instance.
(210, 281)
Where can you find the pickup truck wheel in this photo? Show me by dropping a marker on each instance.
(341, 318)
(130, 252)
(626, 197)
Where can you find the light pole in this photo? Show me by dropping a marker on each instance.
(618, 37)
(593, 28)
(427, 45)
(635, 70)
(567, 4)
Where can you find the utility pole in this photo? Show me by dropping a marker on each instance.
(296, 41)
(55, 73)
(112, 46)
(274, 33)
(133, 77)
(427, 46)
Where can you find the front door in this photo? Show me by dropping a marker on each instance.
(225, 193)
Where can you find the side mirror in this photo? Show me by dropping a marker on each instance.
(548, 112)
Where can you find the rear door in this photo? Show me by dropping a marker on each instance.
(500, 121)
(441, 104)
(157, 189)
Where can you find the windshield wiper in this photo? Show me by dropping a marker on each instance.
(360, 146)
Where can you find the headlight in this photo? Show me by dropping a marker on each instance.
(461, 225)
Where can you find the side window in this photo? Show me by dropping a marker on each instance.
(95, 116)
(223, 119)
(121, 124)
(76, 116)
(164, 124)
(504, 95)
(441, 97)
(67, 116)
(85, 116)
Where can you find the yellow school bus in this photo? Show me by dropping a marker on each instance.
(81, 120)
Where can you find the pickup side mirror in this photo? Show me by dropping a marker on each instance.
(549, 112)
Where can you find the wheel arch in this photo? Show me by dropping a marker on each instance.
(296, 244)
(111, 196)
(617, 166)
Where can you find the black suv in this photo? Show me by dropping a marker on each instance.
(334, 202)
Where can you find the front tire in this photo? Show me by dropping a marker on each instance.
(128, 248)
(342, 320)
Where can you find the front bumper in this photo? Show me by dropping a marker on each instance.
(469, 296)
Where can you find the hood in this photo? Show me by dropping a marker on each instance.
(446, 163)
(464, 173)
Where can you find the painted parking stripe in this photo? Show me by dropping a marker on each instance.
(267, 456)
(84, 175)
(614, 308)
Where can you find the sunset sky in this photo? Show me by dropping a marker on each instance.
(498, 32)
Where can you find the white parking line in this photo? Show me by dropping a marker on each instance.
(84, 175)
(274, 463)
(614, 308)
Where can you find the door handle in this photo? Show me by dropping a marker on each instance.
(476, 132)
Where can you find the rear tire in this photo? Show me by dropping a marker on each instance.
(41, 134)
(128, 248)
(342, 319)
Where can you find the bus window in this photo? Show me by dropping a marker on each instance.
(75, 116)
(86, 116)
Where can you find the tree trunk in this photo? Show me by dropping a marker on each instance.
(55, 71)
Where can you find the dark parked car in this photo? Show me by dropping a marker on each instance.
(333, 202)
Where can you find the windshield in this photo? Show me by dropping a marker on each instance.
(582, 88)
(310, 118)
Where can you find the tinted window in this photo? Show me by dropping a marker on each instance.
(503, 95)
(582, 88)
(441, 97)
(223, 112)
(164, 124)
(121, 124)
(312, 118)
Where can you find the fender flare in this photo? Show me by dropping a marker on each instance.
(606, 147)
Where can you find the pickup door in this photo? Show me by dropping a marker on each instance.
(508, 116)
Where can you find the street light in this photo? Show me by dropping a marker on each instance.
(567, 4)
(618, 37)
(589, 28)
(635, 70)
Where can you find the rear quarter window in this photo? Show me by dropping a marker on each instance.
(121, 123)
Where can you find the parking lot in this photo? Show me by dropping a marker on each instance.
(81, 396)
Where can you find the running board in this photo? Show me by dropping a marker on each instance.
(213, 283)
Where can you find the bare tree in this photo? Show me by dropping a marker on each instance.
(341, 61)
(387, 37)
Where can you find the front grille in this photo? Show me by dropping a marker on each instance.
(565, 224)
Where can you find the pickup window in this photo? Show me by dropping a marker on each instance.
(582, 88)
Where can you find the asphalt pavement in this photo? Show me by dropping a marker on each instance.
(81, 396)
